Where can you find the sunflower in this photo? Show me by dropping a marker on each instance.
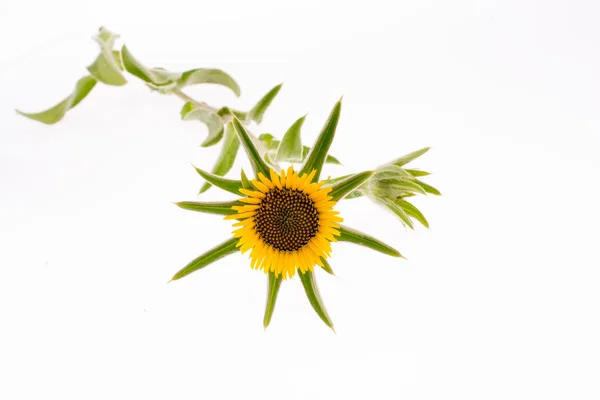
(288, 223)
(286, 220)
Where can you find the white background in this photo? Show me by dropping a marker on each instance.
(499, 299)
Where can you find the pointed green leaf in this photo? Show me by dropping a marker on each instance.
(326, 267)
(246, 184)
(417, 172)
(392, 171)
(357, 237)
(212, 120)
(354, 195)
(340, 189)
(227, 155)
(272, 291)
(273, 144)
(318, 153)
(428, 188)
(257, 112)
(290, 148)
(256, 161)
(207, 75)
(396, 209)
(220, 208)
(413, 212)
(410, 156)
(314, 297)
(106, 68)
(207, 258)
(229, 185)
(56, 113)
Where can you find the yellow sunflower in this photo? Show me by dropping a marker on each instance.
(287, 223)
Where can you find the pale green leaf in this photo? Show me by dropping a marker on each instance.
(326, 267)
(56, 113)
(290, 148)
(207, 75)
(428, 188)
(273, 144)
(227, 155)
(107, 68)
(417, 172)
(410, 157)
(398, 211)
(341, 188)
(257, 112)
(212, 120)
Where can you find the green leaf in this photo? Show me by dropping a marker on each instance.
(396, 209)
(273, 144)
(345, 186)
(228, 185)
(256, 161)
(392, 171)
(326, 267)
(312, 292)
(410, 156)
(154, 77)
(56, 113)
(392, 187)
(357, 237)
(226, 158)
(272, 291)
(417, 172)
(428, 188)
(257, 112)
(207, 258)
(207, 75)
(413, 212)
(212, 120)
(318, 153)
(107, 68)
(220, 208)
(290, 148)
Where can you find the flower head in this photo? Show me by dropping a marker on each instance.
(287, 223)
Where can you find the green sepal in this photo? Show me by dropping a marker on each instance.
(417, 172)
(207, 258)
(107, 67)
(290, 148)
(405, 159)
(256, 161)
(273, 144)
(318, 152)
(229, 185)
(341, 188)
(398, 211)
(220, 208)
(357, 237)
(413, 212)
(314, 297)
(272, 292)
(52, 115)
(427, 188)
(257, 112)
(326, 266)
(212, 120)
(226, 157)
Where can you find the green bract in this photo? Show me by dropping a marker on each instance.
(389, 185)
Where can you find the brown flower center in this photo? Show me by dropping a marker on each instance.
(287, 219)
